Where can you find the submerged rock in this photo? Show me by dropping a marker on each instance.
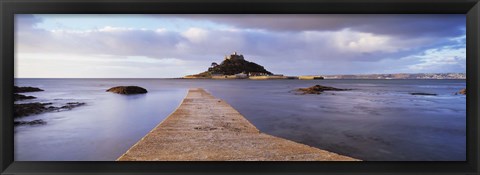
(422, 93)
(462, 92)
(33, 122)
(17, 97)
(72, 105)
(318, 89)
(17, 89)
(127, 90)
(21, 110)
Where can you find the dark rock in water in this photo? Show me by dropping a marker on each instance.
(422, 93)
(21, 110)
(17, 89)
(127, 90)
(33, 122)
(17, 97)
(318, 89)
(72, 105)
(463, 92)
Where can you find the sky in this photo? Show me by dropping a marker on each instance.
(168, 46)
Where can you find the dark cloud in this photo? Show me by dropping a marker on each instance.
(406, 24)
(26, 21)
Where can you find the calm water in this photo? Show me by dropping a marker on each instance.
(378, 120)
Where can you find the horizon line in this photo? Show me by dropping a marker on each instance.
(183, 76)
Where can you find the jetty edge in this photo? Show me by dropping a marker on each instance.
(205, 128)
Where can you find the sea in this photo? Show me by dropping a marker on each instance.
(377, 120)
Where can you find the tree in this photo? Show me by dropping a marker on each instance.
(214, 64)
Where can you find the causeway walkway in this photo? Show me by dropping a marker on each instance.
(205, 128)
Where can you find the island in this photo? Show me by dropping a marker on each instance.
(235, 66)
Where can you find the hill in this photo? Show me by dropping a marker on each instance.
(231, 65)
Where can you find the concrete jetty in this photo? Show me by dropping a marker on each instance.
(204, 128)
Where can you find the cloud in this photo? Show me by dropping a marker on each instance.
(196, 35)
(403, 25)
(444, 59)
(26, 22)
(317, 44)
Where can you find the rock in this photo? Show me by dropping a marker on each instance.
(17, 97)
(21, 110)
(422, 93)
(72, 105)
(463, 92)
(33, 122)
(127, 90)
(17, 89)
(318, 89)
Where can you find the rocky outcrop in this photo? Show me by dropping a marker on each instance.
(22, 110)
(317, 89)
(17, 89)
(127, 90)
(26, 109)
(71, 105)
(462, 92)
(17, 97)
(422, 93)
(33, 122)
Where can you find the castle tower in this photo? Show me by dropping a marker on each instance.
(234, 55)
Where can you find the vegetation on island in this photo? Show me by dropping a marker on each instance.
(232, 65)
(236, 66)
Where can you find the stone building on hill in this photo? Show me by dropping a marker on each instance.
(234, 56)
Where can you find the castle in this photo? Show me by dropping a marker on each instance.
(234, 56)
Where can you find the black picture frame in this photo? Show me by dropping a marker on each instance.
(8, 8)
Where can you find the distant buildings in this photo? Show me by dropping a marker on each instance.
(257, 74)
(234, 56)
(401, 76)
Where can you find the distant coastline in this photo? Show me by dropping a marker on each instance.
(235, 66)
(399, 76)
(439, 76)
